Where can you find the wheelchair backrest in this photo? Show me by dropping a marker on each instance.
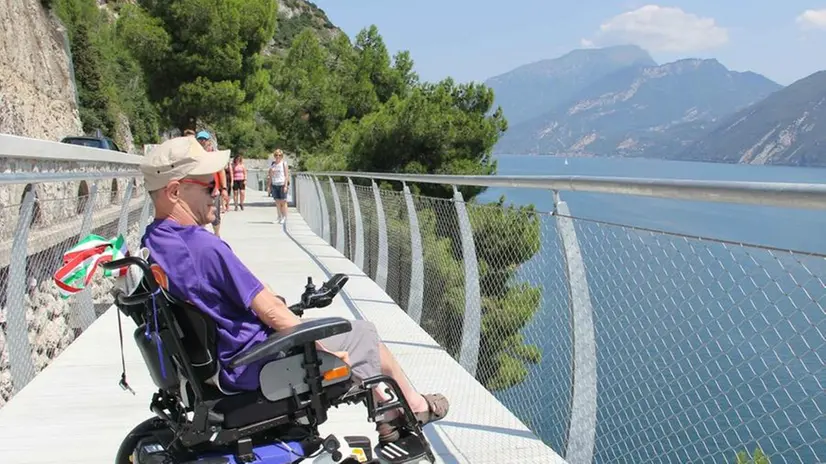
(192, 339)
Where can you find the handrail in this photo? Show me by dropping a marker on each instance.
(13, 146)
(36, 177)
(790, 195)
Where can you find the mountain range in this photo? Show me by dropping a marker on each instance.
(617, 101)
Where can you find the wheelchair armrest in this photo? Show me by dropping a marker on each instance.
(306, 332)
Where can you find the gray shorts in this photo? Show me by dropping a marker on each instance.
(361, 344)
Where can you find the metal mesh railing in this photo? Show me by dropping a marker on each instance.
(698, 348)
(37, 324)
(705, 347)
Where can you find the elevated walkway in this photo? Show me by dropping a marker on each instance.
(74, 411)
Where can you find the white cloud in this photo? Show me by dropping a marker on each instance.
(812, 19)
(660, 29)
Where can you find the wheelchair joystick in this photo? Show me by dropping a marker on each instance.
(309, 290)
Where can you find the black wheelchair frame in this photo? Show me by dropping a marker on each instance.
(174, 334)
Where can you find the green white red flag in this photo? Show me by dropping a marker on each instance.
(81, 261)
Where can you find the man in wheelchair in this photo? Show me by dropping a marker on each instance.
(201, 273)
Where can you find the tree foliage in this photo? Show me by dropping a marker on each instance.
(202, 57)
(109, 78)
(759, 457)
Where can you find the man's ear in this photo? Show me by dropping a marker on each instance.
(173, 191)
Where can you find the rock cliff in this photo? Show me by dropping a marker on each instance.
(37, 93)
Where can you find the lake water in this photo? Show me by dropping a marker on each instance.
(703, 348)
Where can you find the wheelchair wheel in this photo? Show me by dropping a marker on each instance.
(149, 430)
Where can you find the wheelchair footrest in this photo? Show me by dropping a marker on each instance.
(409, 448)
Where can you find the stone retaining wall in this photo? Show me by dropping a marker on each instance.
(59, 214)
(51, 322)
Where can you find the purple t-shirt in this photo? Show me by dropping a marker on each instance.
(203, 270)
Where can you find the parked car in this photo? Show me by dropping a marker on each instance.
(95, 142)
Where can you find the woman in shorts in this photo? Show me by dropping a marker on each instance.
(278, 181)
(239, 181)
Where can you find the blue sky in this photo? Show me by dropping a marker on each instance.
(784, 40)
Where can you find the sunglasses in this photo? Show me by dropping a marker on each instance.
(209, 186)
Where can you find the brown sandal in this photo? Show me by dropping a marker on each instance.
(437, 408)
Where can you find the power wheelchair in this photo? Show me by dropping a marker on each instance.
(199, 422)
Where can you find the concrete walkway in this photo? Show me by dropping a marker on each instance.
(74, 411)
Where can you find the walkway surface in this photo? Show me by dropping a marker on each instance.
(74, 411)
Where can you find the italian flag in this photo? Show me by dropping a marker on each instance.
(81, 261)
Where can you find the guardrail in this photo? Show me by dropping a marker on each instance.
(51, 196)
(613, 343)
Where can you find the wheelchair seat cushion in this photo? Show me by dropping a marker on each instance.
(250, 407)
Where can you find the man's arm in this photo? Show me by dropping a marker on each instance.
(222, 175)
(273, 311)
(238, 282)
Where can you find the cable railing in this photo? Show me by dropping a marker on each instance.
(53, 195)
(612, 342)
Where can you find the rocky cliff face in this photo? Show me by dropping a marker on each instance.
(37, 95)
(293, 17)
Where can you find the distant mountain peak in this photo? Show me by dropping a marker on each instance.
(689, 65)
(787, 127)
(536, 88)
(640, 110)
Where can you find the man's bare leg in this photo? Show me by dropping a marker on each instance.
(391, 368)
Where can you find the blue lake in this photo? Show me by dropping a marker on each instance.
(703, 348)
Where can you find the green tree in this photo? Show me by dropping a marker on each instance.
(199, 55)
(109, 79)
(308, 107)
(757, 458)
(88, 60)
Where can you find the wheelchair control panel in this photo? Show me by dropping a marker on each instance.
(319, 298)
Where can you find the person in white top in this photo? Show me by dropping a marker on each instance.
(278, 181)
